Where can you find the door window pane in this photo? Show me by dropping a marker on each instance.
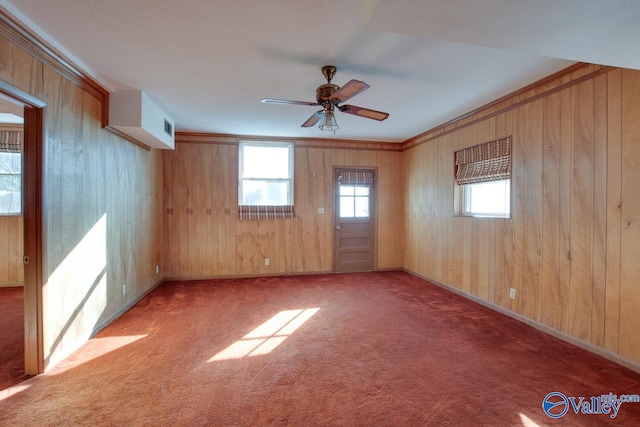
(346, 190)
(362, 191)
(354, 201)
(362, 207)
(347, 207)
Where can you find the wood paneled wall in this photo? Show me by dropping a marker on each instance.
(102, 208)
(11, 270)
(204, 237)
(572, 244)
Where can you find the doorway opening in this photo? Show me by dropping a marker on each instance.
(21, 153)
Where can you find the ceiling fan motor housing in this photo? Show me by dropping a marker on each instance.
(325, 91)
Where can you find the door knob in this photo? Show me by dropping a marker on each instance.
(338, 227)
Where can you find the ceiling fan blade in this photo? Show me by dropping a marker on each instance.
(311, 121)
(364, 112)
(285, 101)
(349, 90)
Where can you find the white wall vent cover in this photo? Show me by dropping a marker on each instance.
(134, 114)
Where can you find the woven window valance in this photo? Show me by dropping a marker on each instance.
(265, 212)
(10, 141)
(356, 178)
(490, 161)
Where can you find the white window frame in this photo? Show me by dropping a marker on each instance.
(289, 180)
(463, 205)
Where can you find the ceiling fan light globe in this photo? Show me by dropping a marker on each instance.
(329, 123)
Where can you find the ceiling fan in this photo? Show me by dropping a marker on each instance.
(329, 97)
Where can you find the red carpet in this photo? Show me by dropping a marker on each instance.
(11, 336)
(353, 349)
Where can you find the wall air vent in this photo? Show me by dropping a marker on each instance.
(134, 114)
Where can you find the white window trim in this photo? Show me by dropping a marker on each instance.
(461, 205)
(241, 180)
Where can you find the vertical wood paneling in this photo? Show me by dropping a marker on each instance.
(199, 221)
(204, 238)
(457, 249)
(518, 187)
(504, 235)
(431, 252)
(614, 209)
(424, 187)
(551, 311)
(101, 220)
(445, 206)
(630, 246)
(27, 70)
(566, 171)
(530, 294)
(11, 271)
(572, 243)
(599, 243)
(581, 285)
(411, 217)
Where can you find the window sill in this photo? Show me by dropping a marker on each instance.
(488, 216)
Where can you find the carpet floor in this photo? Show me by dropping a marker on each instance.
(11, 336)
(369, 349)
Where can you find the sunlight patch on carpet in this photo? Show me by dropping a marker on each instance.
(268, 336)
(528, 422)
(13, 390)
(94, 348)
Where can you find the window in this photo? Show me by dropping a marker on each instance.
(354, 192)
(483, 179)
(10, 172)
(354, 202)
(265, 180)
(487, 199)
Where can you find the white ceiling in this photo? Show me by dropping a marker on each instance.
(208, 63)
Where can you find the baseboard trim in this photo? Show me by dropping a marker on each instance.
(243, 276)
(100, 326)
(613, 357)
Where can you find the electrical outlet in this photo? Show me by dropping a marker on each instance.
(157, 269)
(320, 211)
(124, 289)
(512, 293)
(266, 261)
